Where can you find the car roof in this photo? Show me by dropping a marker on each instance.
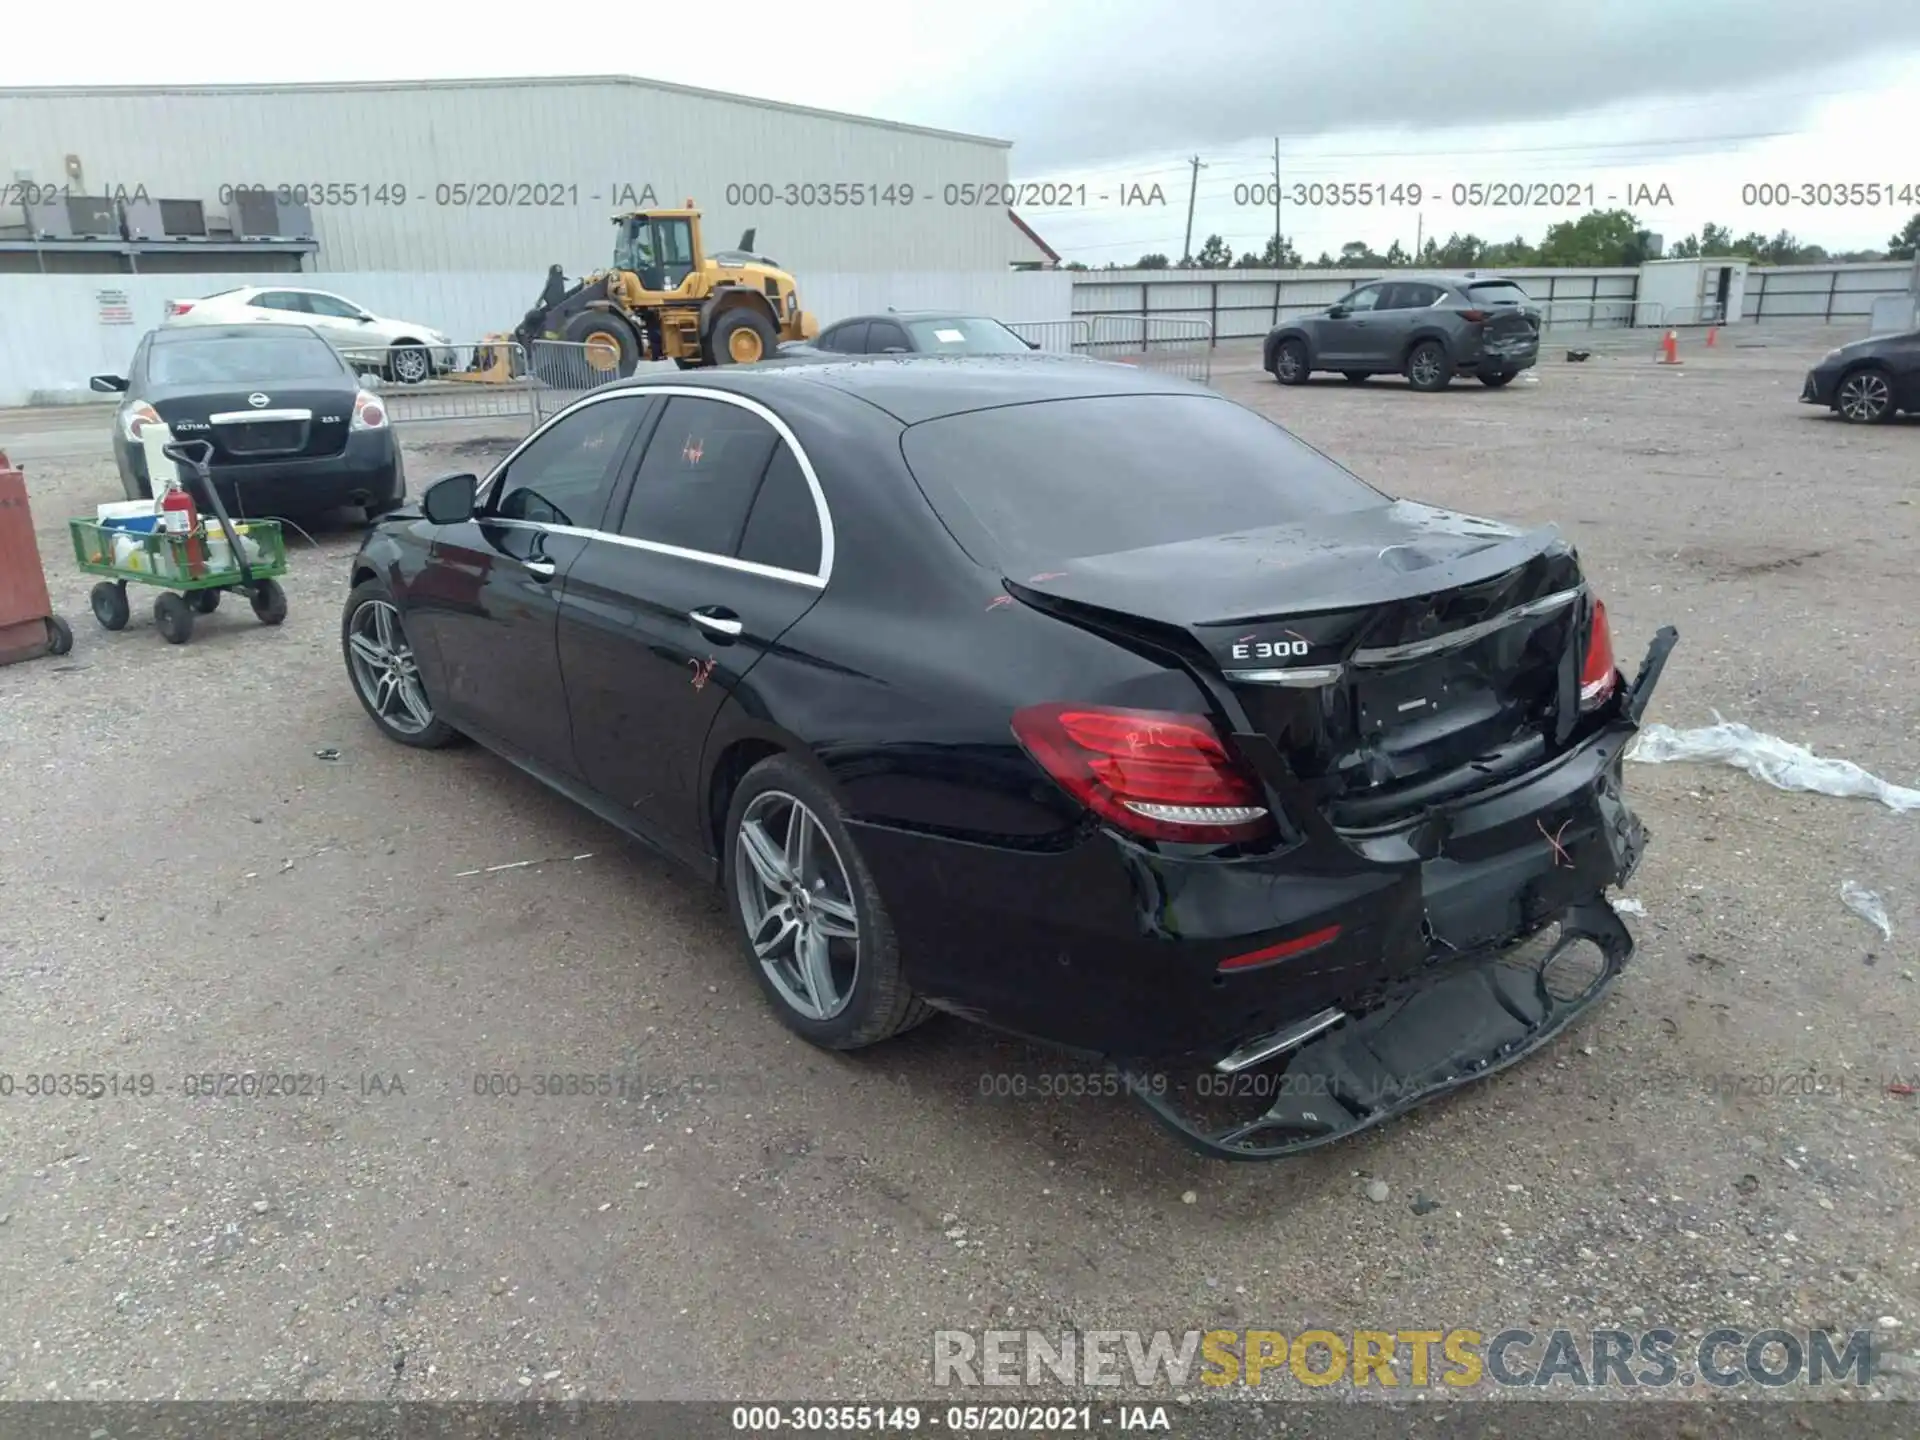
(192, 334)
(917, 315)
(1431, 277)
(913, 388)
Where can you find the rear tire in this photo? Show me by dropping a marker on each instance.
(360, 619)
(1496, 380)
(1428, 367)
(870, 998)
(203, 602)
(741, 336)
(1290, 363)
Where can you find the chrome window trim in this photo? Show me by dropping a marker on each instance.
(820, 576)
(237, 417)
(1454, 639)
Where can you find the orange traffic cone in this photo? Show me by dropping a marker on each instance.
(1671, 345)
(1713, 332)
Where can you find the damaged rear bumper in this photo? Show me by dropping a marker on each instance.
(1514, 942)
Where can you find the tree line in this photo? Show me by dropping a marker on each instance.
(1597, 239)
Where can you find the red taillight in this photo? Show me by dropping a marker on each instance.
(1597, 675)
(1476, 316)
(368, 412)
(1153, 773)
(178, 307)
(1299, 945)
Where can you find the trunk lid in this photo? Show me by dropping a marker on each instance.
(1395, 656)
(296, 422)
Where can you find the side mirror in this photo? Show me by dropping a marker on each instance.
(1337, 312)
(109, 384)
(450, 501)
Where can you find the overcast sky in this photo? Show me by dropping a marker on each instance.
(1703, 96)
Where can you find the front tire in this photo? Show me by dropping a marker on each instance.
(1428, 368)
(1865, 397)
(609, 350)
(173, 618)
(1499, 378)
(811, 920)
(1290, 363)
(269, 602)
(409, 364)
(385, 675)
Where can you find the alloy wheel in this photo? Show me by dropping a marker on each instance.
(1865, 396)
(384, 668)
(1426, 368)
(797, 904)
(410, 366)
(1286, 364)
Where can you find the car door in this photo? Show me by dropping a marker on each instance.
(487, 601)
(884, 336)
(721, 544)
(1343, 338)
(342, 323)
(1385, 332)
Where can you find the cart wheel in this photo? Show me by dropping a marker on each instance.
(269, 602)
(173, 619)
(110, 604)
(59, 636)
(203, 602)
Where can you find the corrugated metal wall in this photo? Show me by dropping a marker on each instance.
(584, 148)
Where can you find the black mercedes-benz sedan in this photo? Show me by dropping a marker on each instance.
(1868, 381)
(293, 431)
(1070, 699)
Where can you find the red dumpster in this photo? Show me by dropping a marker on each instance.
(28, 626)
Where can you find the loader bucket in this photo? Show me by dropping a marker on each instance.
(492, 363)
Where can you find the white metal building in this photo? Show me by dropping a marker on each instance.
(506, 175)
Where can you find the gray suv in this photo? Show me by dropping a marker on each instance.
(1426, 327)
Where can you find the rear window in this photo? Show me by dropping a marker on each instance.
(1498, 292)
(1026, 485)
(966, 335)
(244, 360)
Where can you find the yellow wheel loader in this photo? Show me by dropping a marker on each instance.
(664, 298)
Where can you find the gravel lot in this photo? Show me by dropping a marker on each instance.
(188, 888)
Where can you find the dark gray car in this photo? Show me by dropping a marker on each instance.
(1426, 327)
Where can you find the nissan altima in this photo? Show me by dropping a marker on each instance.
(1074, 700)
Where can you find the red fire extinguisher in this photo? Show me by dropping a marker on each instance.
(180, 516)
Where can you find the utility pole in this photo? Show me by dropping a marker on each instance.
(1419, 233)
(1279, 245)
(1193, 189)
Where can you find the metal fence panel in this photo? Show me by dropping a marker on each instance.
(1172, 344)
(486, 381)
(1056, 337)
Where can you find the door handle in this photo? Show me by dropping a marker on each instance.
(539, 569)
(716, 622)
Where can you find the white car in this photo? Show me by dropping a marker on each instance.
(401, 350)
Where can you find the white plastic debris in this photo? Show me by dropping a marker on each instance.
(1625, 906)
(1767, 757)
(1867, 906)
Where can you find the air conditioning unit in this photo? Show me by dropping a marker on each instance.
(166, 219)
(78, 217)
(260, 215)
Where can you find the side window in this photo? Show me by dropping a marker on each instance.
(850, 338)
(699, 476)
(884, 336)
(1415, 295)
(331, 306)
(1367, 297)
(784, 528)
(287, 300)
(565, 476)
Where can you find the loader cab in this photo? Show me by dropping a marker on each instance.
(662, 247)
